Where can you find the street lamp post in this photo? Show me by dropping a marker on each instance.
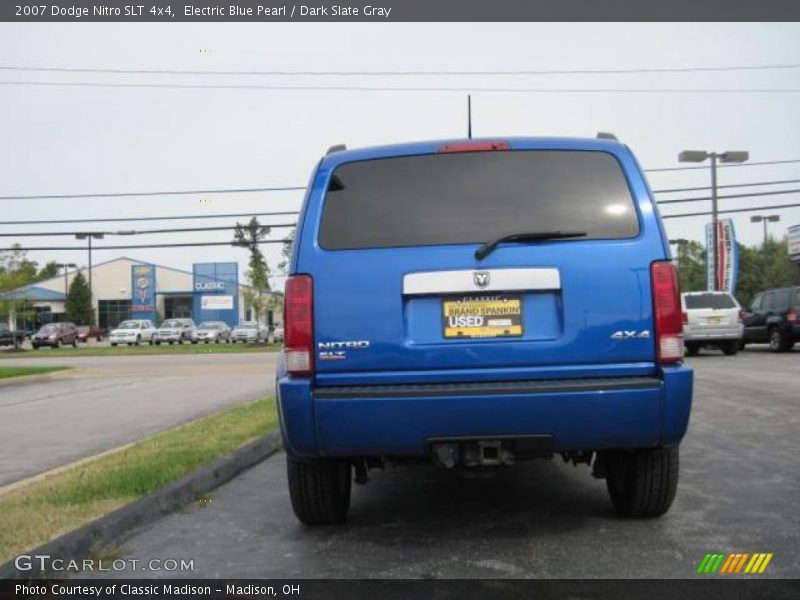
(66, 266)
(698, 156)
(89, 236)
(764, 219)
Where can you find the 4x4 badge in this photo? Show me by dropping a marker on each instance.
(481, 278)
(630, 335)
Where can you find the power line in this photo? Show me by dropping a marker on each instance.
(167, 218)
(298, 187)
(389, 73)
(731, 185)
(759, 194)
(731, 210)
(284, 241)
(142, 232)
(138, 246)
(370, 88)
(745, 164)
(171, 193)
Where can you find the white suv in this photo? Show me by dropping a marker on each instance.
(711, 319)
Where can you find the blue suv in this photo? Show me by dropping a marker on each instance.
(477, 303)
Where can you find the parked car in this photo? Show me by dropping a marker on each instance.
(248, 332)
(773, 318)
(277, 333)
(174, 330)
(711, 319)
(85, 332)
(11, 337)
(55, 335)
(522, 303)
(212, 331)
(133, 332)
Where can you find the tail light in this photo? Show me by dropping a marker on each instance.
(791, 316)
(741, 316)
(667, 312)
(298, 322)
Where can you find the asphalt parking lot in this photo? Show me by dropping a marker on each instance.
(740, 483)
(107, 401)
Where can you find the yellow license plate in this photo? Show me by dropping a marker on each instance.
(713, 320)
(482, 316)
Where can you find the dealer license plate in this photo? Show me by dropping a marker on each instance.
(493, 316)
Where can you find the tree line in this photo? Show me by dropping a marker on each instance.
(760, 268)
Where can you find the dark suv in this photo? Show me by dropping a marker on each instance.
(772, 317)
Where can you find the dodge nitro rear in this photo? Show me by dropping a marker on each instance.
(477, 303)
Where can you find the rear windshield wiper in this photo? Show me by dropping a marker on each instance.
(486, 249)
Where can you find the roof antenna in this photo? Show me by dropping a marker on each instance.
(469, 116)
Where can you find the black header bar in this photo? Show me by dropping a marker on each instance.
(262, 11)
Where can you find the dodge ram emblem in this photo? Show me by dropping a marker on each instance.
(481, 278)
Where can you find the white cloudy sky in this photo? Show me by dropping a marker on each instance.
(61, 140)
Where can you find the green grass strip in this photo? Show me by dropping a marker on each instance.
(66, 500)
(9, 372)
(141, 350)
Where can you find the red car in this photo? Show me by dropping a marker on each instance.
(85, 332)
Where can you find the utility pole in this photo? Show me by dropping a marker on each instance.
(66, 266)
(89, 236)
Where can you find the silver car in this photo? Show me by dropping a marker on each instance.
(249, 332)
(212, 331)
(711, 319)
(174, 330)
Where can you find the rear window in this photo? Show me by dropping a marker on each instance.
(709, 301)
(475, 197)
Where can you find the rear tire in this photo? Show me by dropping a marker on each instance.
(642, 483)
(778, 341)
(730, 348)
(319, 489)
(692, 349)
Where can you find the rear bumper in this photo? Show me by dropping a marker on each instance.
(711, 334)
(592, 414)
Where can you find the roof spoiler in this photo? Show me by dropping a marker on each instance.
(336, 148)
(604, 135)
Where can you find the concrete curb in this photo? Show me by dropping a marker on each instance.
(116, 526)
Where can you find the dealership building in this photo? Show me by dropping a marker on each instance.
(125, 288)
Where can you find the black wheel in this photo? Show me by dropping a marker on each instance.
(74, 342)
(158, 343)
(193, 341)
(692, 349)
(113, 345)
(57, 344)
(642, 483)
(319, 489)
(170, 343)
(138, 340)
(35, 347)
(742, 344)
(150, 341)
(729, 348)
(778, 341)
